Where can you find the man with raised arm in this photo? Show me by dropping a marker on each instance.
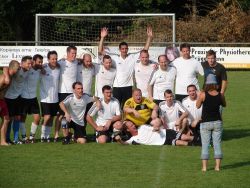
(124, 63)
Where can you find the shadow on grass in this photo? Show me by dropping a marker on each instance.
(230, 134)
(236, 165)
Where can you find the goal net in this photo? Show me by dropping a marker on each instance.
(85, 28)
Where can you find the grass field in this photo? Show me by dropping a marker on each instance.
(113, 165)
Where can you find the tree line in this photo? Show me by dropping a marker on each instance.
(197, 20)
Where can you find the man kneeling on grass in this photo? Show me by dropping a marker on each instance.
(74, 107)
(146, 135)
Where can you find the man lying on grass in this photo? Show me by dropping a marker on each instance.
(146, 135)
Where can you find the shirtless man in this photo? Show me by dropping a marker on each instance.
(4, 84)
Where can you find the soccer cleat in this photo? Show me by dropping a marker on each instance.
(32, 139)
(48, 140)
(56, 139)
(42, 140)
(65, 141)
(18, 142)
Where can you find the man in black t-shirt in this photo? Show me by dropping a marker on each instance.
(212, 67)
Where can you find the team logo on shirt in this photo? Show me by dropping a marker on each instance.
(141, 107)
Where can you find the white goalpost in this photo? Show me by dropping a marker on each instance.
(85, 28)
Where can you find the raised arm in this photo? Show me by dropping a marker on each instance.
(104, 33)
(149, 38)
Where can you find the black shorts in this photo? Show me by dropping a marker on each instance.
(49, 108)
(171, 137)
(195, 130)
(156, 101)
(122, 94)
(79, 131)
(100, 133)
(30, 106)
(89, 105)
(14, 106)
(180, 97)
(61, 97)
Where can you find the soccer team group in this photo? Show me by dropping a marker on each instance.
(136, 101)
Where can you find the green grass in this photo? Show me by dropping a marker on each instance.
(113, 165)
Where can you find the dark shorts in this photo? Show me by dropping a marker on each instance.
(61, 97)
(180, 97)
(158, 101)
(49, 108)
(171, 137)
(107, 133)
(14, 106)
(100, 133)
(3, 108)
(122, 94)
(195, 130)
(89, 105)
(30, 106)
(79, 131)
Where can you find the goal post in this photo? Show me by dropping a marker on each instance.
(85, 28)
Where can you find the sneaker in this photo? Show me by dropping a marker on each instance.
(10, 142)
(18, 142)
(65, 141)
(42, 140)
(56, 139)
(72, 138)
(25, 140)
(32, 141)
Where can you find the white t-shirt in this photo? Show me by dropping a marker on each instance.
(49, 85)
(108, 111)
(194, 112)
(142, 76)
(86, 75)
(67, 75)
(124, 69)
(171, 114)
(103, 77)
(77, 107)
(17, 85)
(30, 84)
(147, 136)
(187, 72)
(161, 81)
